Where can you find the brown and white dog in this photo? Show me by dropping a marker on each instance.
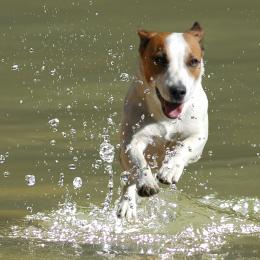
(165, 121)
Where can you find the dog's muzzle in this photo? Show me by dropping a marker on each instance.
(178, 93)
(171, 110)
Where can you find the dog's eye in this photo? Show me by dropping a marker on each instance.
(160, 59)
(194, 62)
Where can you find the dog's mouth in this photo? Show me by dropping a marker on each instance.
(170, 109)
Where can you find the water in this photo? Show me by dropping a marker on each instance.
(65, 67)
(30, 179)
(77, 183)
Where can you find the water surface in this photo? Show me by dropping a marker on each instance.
(65, 68)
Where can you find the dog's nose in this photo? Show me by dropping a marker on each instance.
(178, 93)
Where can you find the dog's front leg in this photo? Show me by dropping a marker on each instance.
(145, 181)
(139, 178)
(127, 205)
(186, 151)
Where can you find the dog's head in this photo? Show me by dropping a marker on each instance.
(172, 63)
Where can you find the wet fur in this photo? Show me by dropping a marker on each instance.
(148, 137)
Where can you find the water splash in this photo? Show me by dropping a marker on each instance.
(107, 151)
(163, 228)
(242, 207)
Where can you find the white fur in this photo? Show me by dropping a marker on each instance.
(190, 130)
(177, 73)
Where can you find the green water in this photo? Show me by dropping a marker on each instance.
(64, 60)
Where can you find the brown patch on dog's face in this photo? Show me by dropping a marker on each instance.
(194, 38)
(153, 53)
(194, 58)
(197, 31)
(154, 56)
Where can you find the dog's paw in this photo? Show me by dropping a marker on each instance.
(170, 175)
(127, 208)
(127, 205)
(147, 186)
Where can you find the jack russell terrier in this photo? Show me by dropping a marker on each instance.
(165, 118)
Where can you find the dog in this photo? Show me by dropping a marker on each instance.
(165, 117)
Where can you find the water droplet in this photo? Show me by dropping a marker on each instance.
(147, 91)
(110, 121)
(6, 174)
(2, 158)
(15, 67)
(53, 72)
(54, 122)
(110, 99)
(52, 142)
(61, 180)
(97, 164)
(68, 108)
(73, 132)
(72, 166)
(124, 77)
(30, 179)
(107, 152)
(85, 124)
(29, 208)
(77, 182)
(124, 178)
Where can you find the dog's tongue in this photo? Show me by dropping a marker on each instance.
(173, 110)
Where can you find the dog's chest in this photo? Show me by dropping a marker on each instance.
(171, 130)
(179, 128)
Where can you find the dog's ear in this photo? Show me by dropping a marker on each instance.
(145, 37)
(197, 31)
